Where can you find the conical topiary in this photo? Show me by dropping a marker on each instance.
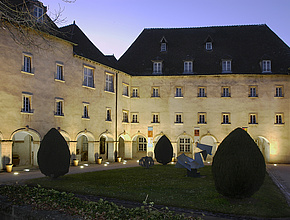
(238, 166)
(53, 156)
(163, 150)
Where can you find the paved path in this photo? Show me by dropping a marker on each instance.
(20, 174)
(280, 174)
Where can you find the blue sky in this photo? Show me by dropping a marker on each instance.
(113, 25)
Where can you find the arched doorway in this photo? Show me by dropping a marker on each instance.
(25, 146)
(264, 146)
(121, 147)
(82, 149)
(209, 140)
(139, 147)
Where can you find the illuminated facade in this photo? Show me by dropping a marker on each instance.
(110, 108)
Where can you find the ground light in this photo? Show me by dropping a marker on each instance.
(81, 167)
(275, 164)
(86, 164)
(16, 173)
(26, 170)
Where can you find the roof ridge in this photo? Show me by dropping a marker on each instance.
(214, 26)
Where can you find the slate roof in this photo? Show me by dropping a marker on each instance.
(84, 47)
(245, 45)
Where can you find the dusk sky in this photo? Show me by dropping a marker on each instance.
(113, 25)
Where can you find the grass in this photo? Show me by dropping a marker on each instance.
(166, 185)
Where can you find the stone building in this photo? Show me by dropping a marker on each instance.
(190, 84)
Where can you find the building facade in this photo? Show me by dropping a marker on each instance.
(192, 85)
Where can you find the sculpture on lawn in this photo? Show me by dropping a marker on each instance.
(193, 164)
(146, 162)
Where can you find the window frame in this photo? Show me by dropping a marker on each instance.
(157, 67)
(253, 91)
(226, 118)
(142, 145)
(188, 66)
(226, 94)
(59, 107)
(135, 92)
(266, 66)
(279, 94)
(109, 82)
(57, 78)
(155, 94)
(163, 47)
(202, 119)
(201, 94)
(226, 66)
(178, 92)
(134, 120)
(38, 13)
(253, 118)
(108, 114)
(86, 110)
(88, 77)
(184, 144)
(279, 118)
(26, 106)
(25, 69)
(125, 91)
(208, 46)
(155, 116)
(178, 118)
(125, 116)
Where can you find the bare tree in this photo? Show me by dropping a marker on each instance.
(21, 17)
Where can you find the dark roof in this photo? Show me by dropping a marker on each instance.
(84, 47)
(245, 45)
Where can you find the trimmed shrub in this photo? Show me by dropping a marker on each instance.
(163, 150)
(238, 166)
(53, 156)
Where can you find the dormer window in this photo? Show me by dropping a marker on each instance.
(163, 45)
(208, 46)
(157, 67)
(226, 66)
(38, 13)
(266, 66)
(188, 66)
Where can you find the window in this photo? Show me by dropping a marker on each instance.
(26, 102)
(155, 92)
(88, 77)
(135, 92)
(253, 91)
(125, 89)
(135, 118)
(125, 116)
(27, 64)
(279, 91)
(142, 144)
(86, 110)
(184, 144)
(108, 114)
(157, 67)
(59, 104)
(201, 118)
(155, 117)
(201, 92)
(253, 118)
(178, 118)
(226, 66)
(226, 118)
(38, 13)
(208, 46)
(266, 66)
(163, 47)
(59, 72)
(226, 91)
(188, 66)
(109, 82)
(279, 118)
(178, 92)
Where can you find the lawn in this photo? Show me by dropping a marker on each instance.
(167, 185)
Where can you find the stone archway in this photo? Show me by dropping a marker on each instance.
(264, 146)
(106, 147)
(85, 148)
(124, 149)
(25, 145)
(212, 141)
